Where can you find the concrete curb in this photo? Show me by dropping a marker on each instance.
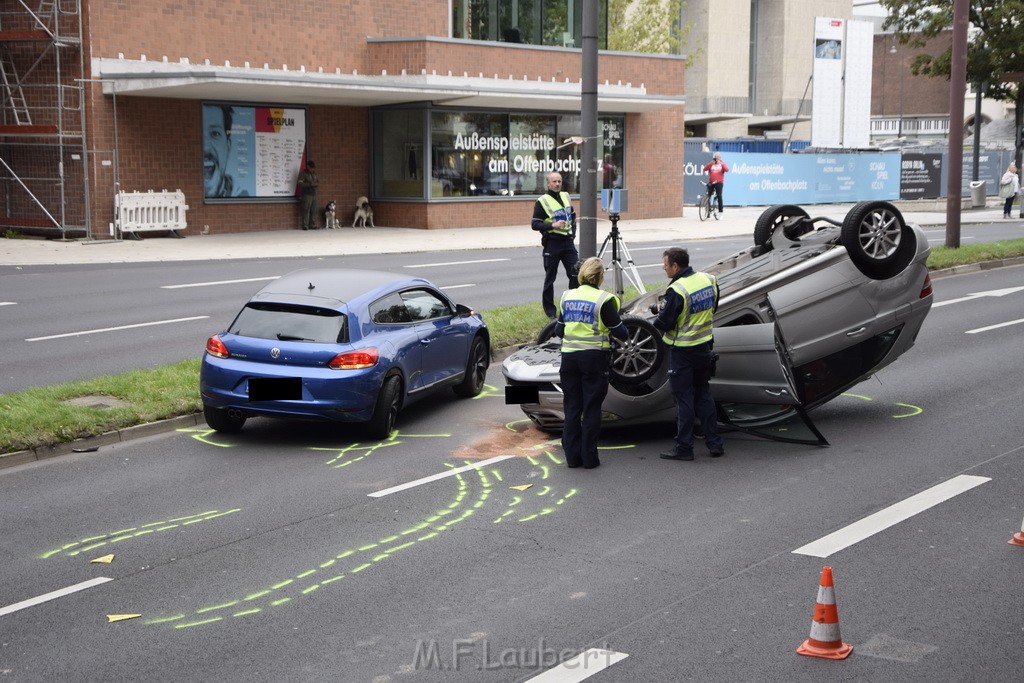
(193, 419)
(90, 443)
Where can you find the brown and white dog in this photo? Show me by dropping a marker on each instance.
(364, 214)
(331, 216)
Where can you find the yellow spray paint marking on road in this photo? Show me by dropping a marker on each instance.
(488, 392)
(87, 544)
(511, 426)
(381, 548)
(365, 450)
(200, 434)
(914, 410)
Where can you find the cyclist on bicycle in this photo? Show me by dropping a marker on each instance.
(716, 170)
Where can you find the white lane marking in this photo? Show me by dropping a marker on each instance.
(942, 240)
(457, 263)
(892, 515)
(580, 667)
(8, 303)
(975, 295)
(996, 327)
(39, 599)
(115, 329)
(435, 477)
(221, 282)
(457, 286)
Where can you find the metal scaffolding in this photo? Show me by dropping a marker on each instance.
(44, 174)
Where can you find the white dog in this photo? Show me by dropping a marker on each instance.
(364, 214)
(331, 216)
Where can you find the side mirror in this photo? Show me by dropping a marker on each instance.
(463, 311)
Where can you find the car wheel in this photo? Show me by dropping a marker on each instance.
(476, 370)
(878, 240)
(227, 422)
(385, 412)
(638, 358)
(547, 332)
(771, 218)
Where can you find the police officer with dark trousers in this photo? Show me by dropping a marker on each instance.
(685, 320)
(554, 218)
(587, 316)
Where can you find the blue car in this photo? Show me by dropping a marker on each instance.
(341, 345)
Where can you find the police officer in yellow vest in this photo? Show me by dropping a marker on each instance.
(587, 316)
(555, 220)
(685, 320)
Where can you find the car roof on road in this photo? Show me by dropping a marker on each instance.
(341, 284)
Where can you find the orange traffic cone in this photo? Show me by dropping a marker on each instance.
(1018, 538)
(825, 640)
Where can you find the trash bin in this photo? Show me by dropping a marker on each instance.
(977, 194)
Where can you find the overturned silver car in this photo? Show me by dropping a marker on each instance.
(813, 308)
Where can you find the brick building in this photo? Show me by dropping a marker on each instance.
(445, 114)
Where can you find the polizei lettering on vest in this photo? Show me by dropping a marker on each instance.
(702, 299)
(579, 312)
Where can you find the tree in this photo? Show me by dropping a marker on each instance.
(995, 45)
(651, 26)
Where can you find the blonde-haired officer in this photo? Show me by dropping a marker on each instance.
(587, 317)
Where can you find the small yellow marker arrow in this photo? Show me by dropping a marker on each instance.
(106, 559)
(521, 487)
(111, 618)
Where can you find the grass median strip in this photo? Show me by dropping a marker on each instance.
(42, 416)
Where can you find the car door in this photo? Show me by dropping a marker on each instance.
(396, 330)
(444, 339)
(822, 313)
(752, 366)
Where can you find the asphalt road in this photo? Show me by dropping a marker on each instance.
(71, 322)
(263, 556)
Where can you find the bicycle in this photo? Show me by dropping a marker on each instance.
(707, 204)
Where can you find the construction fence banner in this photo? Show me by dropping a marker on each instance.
(765, 179)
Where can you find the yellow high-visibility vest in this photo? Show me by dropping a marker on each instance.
(581, 313)
(699, 293)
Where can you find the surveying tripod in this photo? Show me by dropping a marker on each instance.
(619, 247)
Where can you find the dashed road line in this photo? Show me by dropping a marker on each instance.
(115, 329)
(580, 667)
(440, 475)
(53, 595)
(890, 516)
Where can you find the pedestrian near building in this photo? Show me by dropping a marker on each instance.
(587, 318)
(308, 183)
(1009, 188)
(685, 319)
(716, 170)
(555, 220)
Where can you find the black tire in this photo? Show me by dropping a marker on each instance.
(476, 370)
(637, 359)
(223, 421)
(878, 240)
(547, 332)
(770, 219)
(704, 208)
(385, 412)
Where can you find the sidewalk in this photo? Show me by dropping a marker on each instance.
(736, 221)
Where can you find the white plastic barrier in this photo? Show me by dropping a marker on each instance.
(144, 211)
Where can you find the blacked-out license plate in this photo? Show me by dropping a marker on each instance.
(275, 389)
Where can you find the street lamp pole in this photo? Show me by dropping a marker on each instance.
(899, 67)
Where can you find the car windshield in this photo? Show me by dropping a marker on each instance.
(285, 322)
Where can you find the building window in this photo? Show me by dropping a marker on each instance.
(534, 22)
(398, 153)
(486, 153)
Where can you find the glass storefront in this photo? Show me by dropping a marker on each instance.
(486, 154)
(535, 22)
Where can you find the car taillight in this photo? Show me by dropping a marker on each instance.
(215, 347)
(355, 360)
(926, 288)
